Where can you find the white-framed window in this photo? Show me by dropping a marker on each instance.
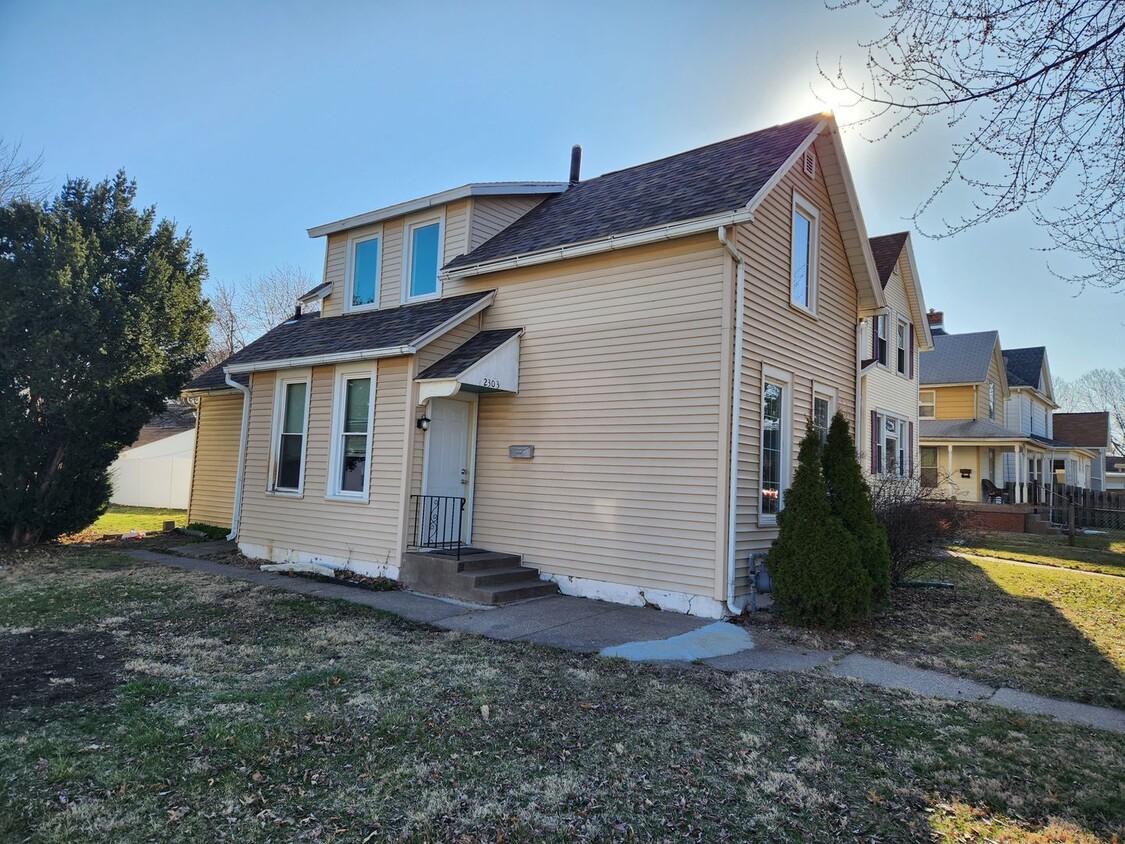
(823, 409)
(879, 328)
(991, 399)
(892, 446)
(290, 432)
(902, 363)
(929, 470)
(353, 411)
(361, 271)
(421, 254)
(927, 404)
(777, 397)
(805, 255)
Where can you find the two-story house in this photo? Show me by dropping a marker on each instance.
(606, 379)
(1084, 462)
(889, 343)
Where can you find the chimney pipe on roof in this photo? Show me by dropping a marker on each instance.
(575, 164)
(936, 319)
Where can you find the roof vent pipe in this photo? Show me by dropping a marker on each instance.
(575, 164)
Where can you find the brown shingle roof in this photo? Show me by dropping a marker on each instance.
(1085, 429)
(885, 249)
(713, 179)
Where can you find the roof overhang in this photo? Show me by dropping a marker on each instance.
(926, 340)
(316, 294)
(366, 354)
(424, 202)
(498, 371)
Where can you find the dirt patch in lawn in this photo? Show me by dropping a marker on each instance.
(45, 668)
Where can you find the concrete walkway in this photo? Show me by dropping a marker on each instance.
(643, 634)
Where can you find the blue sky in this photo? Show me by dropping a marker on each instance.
(250, 121)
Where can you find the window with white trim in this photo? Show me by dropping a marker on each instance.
(773, 431)
(804, 256)
(927, 404)
(891, 446)
(362, 273)
(991, 400)
(351, 433)
(929, 470)
(880, 329)
(423, 258)
(823, 409)
(291, 414)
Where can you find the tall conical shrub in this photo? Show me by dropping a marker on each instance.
(850, 500)
(814, 562)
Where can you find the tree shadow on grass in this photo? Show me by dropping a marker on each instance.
(994, 628)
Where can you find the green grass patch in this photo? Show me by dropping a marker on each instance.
(1102, 554)
(251, 715)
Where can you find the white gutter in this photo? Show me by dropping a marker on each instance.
(236, 510)
(319, 360)
(858, 387)
(736, 416)
(607, 244)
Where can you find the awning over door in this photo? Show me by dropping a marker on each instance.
(488, 363)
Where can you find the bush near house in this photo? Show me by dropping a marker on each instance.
(850, 500)
(818, 578)
(917, 522)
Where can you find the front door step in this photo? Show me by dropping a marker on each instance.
(483, 577)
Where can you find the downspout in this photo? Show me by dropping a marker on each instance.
(236, 510)
(858, 386)
(736, 414)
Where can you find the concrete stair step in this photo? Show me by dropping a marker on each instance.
(497, 576)
(489, 560)
(509, 593)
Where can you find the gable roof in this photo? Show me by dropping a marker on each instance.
(1024, 366)
(475, 349)
(885, 249)
(958, 358)
(703, 182)
(312, 339)
(1084, 429)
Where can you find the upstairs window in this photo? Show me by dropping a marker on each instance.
(364, 280)
(927, 404)
(902, 348)
(879, 339)
(991, 400)
(802, 281)
(423, 244)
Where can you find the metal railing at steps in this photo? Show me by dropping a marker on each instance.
(438, 523)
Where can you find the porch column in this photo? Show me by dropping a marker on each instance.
(949, 470)
(1021, 496)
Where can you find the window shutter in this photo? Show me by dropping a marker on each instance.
(874, 443)
(910, 446)
(911, 351)
(874, 337)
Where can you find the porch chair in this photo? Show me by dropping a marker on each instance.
(992, 493)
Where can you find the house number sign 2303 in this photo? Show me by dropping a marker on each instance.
(490, 382)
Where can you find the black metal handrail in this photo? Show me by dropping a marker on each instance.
(438, 522)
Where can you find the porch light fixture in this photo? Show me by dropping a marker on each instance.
(966, 473)
(423, 423)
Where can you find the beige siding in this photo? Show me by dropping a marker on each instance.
(811, 350)
(995, 375)
(492, 214)
(313, 524)
(218, 426)
(335, 259)
(885, 390)
(456, 234)
(954, 402)
(620, 382)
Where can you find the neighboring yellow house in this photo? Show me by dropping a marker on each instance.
(890, 342)
(608, 378)
(985, 422)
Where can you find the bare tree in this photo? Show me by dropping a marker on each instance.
(19, 176)
(1038, 91)
(245, 312)
(1097, 390)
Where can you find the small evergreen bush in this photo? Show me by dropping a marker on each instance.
(850, 501)
(814, 562)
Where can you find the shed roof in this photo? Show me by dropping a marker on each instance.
(1085, 429)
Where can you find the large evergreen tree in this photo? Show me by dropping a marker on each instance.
(101, 319)
(850, 500)
(814, 562)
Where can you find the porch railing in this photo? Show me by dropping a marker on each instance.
(438, 522)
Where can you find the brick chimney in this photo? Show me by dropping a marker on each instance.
(936, 319)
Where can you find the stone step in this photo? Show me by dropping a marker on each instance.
(509, 593)
(497, 576)
(488, 560)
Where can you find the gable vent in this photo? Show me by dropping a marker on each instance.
(809, 163)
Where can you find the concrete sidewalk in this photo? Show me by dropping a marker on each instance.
(644, 634)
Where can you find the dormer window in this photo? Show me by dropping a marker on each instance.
(363, 272)
(423, 250)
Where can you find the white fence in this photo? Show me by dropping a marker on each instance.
(155, 475)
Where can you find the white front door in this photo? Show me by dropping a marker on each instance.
(448, 449)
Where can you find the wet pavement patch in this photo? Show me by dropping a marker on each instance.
(44, 668)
